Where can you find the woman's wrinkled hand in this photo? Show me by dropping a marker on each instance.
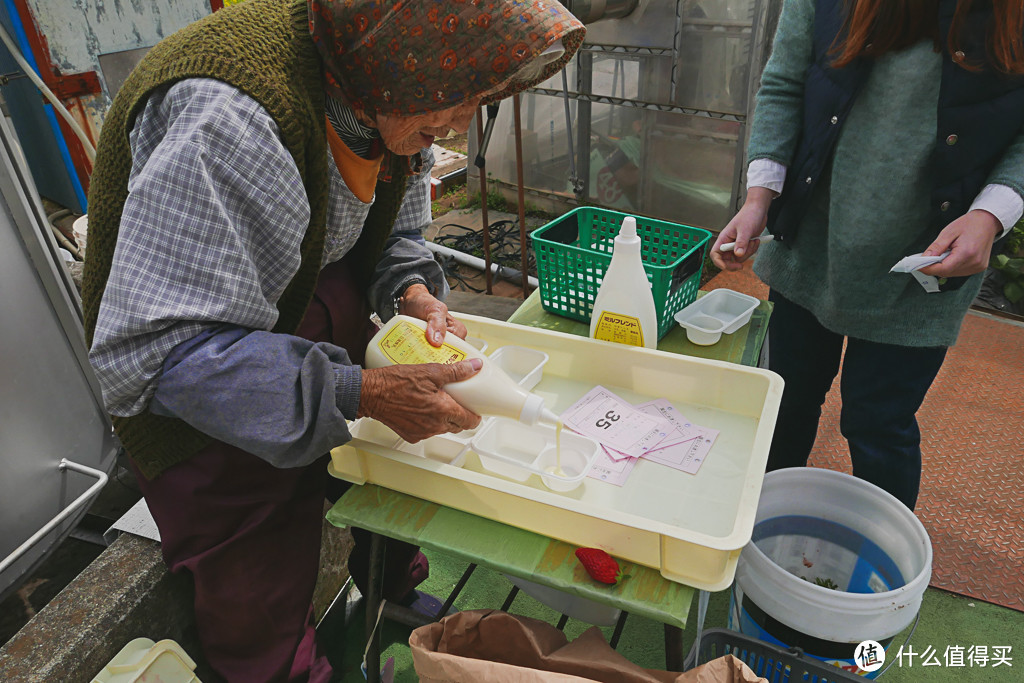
(748, 222)
(411, 400)
(969, 240)
(418, 302)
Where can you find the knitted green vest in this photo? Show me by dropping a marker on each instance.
(263, 48)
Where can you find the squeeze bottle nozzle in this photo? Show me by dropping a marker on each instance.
(549, 417)
(535, 411)
(628, 228)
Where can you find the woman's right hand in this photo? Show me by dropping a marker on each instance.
(411, 400)
(748, 222)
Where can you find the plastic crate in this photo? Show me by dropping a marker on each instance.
(768, 661)
(573, 253)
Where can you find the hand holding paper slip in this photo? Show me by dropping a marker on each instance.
(915, 262)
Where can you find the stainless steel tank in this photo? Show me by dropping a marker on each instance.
(56, 442)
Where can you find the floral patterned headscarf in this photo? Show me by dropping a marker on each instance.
(410, 57)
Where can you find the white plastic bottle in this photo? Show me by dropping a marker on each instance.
(489, 392)
(624, 309)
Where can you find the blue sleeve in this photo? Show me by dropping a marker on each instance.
(404, 262)
(280, 397)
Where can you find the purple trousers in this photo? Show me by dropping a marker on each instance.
(249, 533)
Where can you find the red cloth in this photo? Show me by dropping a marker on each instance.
(249, 533)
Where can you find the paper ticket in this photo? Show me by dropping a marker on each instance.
(605, 417)
(612, 471)
(688, 455)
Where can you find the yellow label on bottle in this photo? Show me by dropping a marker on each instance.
(622, 329)
(406, 344)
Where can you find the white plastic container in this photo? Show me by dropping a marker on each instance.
(624, 310)
(515, 451)
(720, 311)
(525, 366)
(489, 392)
(817, 526)
(80, 230)
(442, 448)
(477, 343)
(143, 661)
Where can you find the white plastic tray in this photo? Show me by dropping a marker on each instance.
(690, 527)
(720, 311)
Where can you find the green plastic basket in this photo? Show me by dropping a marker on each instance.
(573, 253)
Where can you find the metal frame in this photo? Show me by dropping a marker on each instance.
(762, 20)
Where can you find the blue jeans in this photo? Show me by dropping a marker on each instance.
(882, 387)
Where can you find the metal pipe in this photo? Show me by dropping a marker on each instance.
(589, 11)
(525, 268)
(574, 179)
(12, 47)
(481, 164)
(676, 47)
(374, 603)
(584, 85)
(65, 464)
(462, 258)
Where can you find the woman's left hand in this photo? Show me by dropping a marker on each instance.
(418, 302)
(969, 240)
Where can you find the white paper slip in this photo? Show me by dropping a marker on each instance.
(687, 456)
(909, 264)
(611, 471)
(614, 454)
(684, 429)
(605, 417)
(912, 264)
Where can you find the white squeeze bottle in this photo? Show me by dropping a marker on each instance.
(624, 309)
(489, 392)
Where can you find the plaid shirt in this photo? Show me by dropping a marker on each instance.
(208, 240)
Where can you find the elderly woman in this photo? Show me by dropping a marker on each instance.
(249, 177)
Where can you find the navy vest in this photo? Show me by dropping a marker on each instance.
(979, 115)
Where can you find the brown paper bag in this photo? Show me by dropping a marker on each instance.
(491, 646)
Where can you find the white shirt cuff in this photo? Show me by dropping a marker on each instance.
(1002, 202)
(766, 173)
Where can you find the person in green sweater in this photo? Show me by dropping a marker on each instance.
(249, 179)
(882, 129)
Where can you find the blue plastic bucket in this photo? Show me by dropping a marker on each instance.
(833, 561)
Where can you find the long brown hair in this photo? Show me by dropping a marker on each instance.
(875, 27)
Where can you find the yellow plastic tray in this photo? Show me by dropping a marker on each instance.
(690, 527)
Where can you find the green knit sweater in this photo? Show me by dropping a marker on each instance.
(872, 209)
(263, 48)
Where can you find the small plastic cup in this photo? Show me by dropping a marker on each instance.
(703, 329)
(574, 465)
